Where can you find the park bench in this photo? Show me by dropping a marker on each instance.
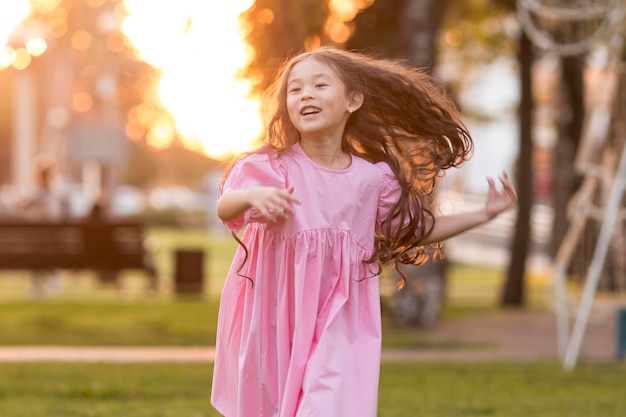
(104, 247)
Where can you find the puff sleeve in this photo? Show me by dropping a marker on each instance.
(257, 169)
(390, 193)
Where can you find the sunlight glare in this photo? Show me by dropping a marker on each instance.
(198, 48)
(11, 14)
(342, 11)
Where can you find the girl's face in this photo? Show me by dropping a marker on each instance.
(317, 102)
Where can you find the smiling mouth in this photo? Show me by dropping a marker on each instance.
(310, 110)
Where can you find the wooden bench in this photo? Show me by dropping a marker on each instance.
(105, 247)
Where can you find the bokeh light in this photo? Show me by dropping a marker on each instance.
(198, 49)
(10, 17)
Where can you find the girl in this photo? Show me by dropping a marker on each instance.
(353, 151)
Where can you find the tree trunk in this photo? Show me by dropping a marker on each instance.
(513, 294)
(420, 22)
(571, 114)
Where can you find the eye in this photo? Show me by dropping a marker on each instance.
(320, 85)
(294, 90)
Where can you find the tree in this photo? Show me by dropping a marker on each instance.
(565, 179)
(514, 288)
(570, 123)
(403, 29)
(276, 29)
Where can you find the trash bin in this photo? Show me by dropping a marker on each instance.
(189, 272)
(621, 333)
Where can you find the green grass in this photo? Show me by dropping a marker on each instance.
(174, 323)
(435, 389)
(104, 390)
(501, 390)
(190, 322)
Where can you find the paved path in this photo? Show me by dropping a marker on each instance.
(504, 335)
(527, 335)
(105, 354)
(206, 354)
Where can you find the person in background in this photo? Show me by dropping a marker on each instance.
(46, 203)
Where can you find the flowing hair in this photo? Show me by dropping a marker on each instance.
(406, 120)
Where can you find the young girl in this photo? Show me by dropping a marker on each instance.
(353, 151)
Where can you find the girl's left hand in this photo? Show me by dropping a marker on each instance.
(499, 201)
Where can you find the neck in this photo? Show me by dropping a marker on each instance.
(327, 154)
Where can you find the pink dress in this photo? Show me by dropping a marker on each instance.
(305, 339)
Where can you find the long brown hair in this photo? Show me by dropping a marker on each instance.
(406, 120)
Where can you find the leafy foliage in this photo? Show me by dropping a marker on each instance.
(276, 29)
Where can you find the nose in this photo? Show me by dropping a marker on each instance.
(307, 94)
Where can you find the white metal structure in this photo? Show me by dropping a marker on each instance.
(570, 27)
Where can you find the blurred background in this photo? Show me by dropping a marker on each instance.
(133, 108)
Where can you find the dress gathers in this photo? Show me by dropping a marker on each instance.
(302, 336)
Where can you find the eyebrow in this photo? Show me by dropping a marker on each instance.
(315, 76)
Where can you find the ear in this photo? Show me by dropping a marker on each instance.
(355, 101)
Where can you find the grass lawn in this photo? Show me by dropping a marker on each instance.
(109, 323)
(501, 390)
(407, 390)
(190, 322)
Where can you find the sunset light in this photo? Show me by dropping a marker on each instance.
(10, 17)
(198, 49)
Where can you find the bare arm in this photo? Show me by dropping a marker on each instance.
(271, 202)
(454, 224)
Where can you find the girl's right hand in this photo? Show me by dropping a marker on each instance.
(271, 202)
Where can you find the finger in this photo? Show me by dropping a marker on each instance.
(506, 179)
(294, 200)
(283, 210)
(508, 185)
(281, 202)
(512, 193)
(289, 195)
(505, 182)
(509, 195)
(268, 215)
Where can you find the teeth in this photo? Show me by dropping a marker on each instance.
(310, 110)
